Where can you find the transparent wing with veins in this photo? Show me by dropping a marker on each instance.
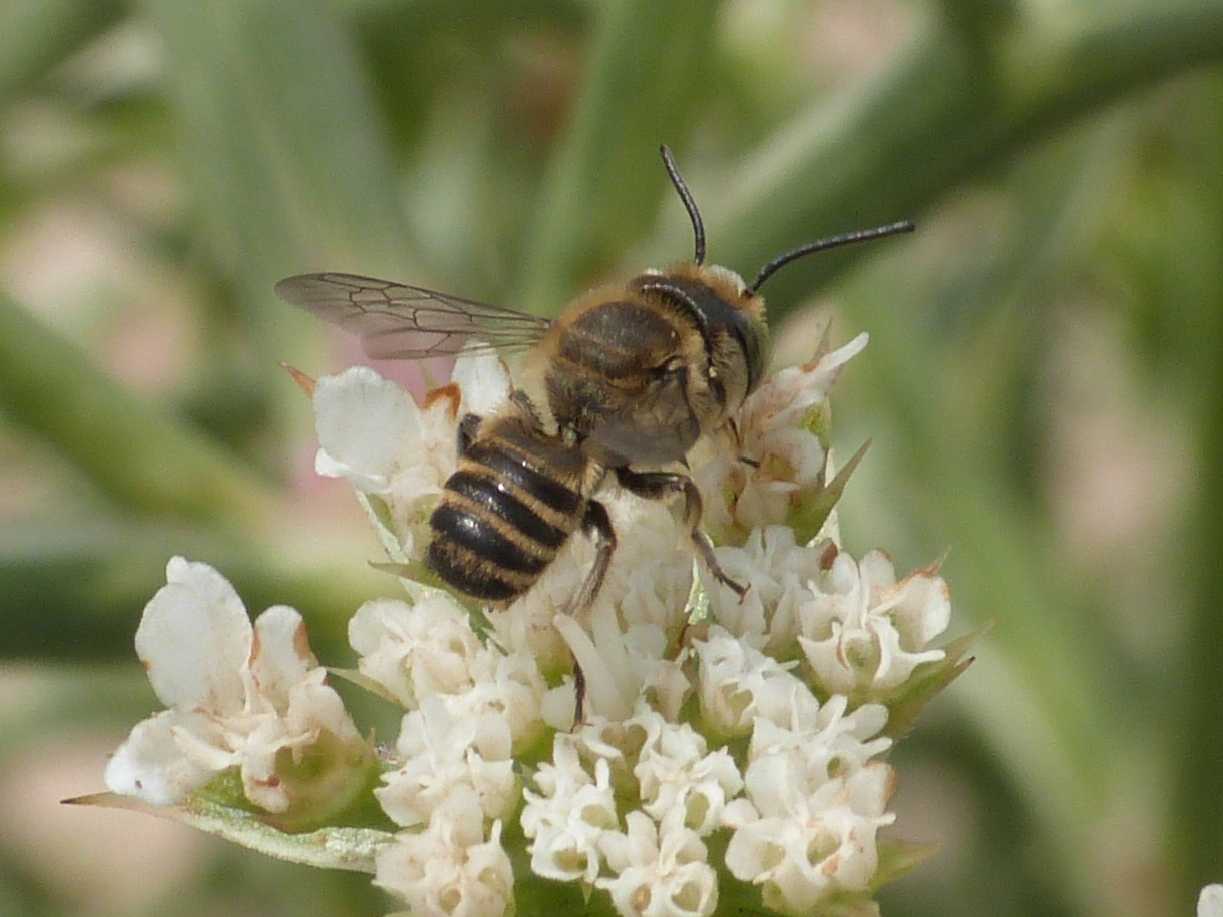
(400, 321)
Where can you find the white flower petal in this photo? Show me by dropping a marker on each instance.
(603, 695)
(239, 696)
(557, 706)
(194, 639)
(665, 877)
(736, 683)
(280, 654)
(151, 766)
(811, 844)
(1210, 901)
(788, 456)
(777, 571)
(364, 424)
(483, 379)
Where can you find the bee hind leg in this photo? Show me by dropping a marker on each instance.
(659, 485)
(597, 526)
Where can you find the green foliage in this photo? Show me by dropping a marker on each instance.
(1065, 277)
(327, 848)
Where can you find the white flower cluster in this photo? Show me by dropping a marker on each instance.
(454, 867)
(819, 800)
(658, 861)
(860, 631)
(473, 706)
(721, 734)
(239, 697)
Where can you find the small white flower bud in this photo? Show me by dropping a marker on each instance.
(444, 756)
(736, 683)
(658, 876)
(450, 868)
(809, 845)
(678, 779)
(568, 815)
(417, 650)
(863, 632)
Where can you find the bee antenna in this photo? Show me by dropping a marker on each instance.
(681, 187)
(821, 245)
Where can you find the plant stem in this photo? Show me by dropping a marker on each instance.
(604, 182)
(286, 156)
(37, 34)
(947, 112)
(135, 454)
(75, 593)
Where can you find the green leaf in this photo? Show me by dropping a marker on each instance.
(365, 683)
(350, 849)
(604, 183)
(136, 454)
(284, 152)
(35, 35)
(897, 858)
(947, 111)
(75, 590)
(927, 681)
(385, 527)
(808, 520)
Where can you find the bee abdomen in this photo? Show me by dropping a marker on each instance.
(499, 524)
(484, 493)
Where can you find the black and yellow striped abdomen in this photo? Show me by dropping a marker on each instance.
(511, 506)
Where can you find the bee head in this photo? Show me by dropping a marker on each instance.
(729, 312)
(724, 351)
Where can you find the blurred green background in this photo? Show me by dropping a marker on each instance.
(1044, 385)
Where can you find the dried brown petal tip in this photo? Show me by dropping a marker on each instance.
(304, 382)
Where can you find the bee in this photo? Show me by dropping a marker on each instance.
(625, 380)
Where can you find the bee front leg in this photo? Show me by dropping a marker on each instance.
(659, 485)
(596, 525)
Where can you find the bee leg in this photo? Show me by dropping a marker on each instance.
(597, 526)
(733, 426)
(467, 431)
(579, 693)
(524, 404)
(659, 485)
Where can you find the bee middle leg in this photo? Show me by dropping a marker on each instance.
(659, 485)
(597, 526)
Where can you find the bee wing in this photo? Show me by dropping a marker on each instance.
(400, 321)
